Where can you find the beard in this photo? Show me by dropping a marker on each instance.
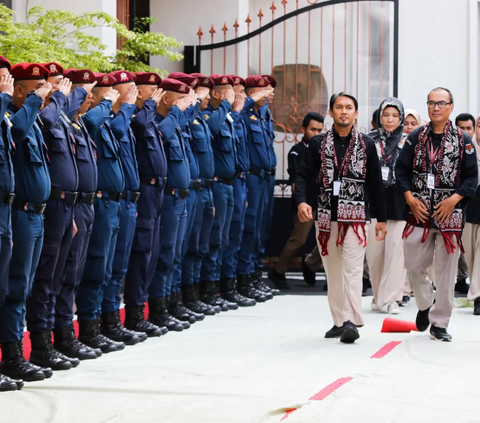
(343, 124)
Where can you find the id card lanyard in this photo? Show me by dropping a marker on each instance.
(338, 183)
(431, 161)
(385, 169)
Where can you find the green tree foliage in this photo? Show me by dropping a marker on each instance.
(61, 36)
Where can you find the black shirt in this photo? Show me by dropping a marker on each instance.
(311, 164)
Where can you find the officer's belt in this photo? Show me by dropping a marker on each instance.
(37, 208)
(226, 181)
(242, 175)
(67, 197)
(134, 195)
(265, 174)
(195, 184)
(112, 196)
(182, 193)
(86, 198)
(7, 198)
(153, 181)
(207, 183)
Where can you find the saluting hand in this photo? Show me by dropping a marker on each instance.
(202, 92)
(192, 96)
(238, 103)
(64, 86)
(157, 95)
(6, 84)
(131, 97)
(89, 87)
(304, 212)
(113, 94)
(183, 103)
(230, 96)
(380, 231)
(44, 90)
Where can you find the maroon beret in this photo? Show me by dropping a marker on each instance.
(148, 78)
(54, 68)
(237, 80)
(123, 77)
(190, 80)
(26, 71)
(104, 80)
(175, 86)
(272, 80)
(4, 63)
(221, 80)
(203, 80)
(256, 81)
(79, 76)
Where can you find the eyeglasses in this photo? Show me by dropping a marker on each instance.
(441, 104)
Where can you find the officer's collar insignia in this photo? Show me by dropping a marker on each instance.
(132, 116)
(195, 122)
(7, 114)
(76, 126)
(207, 117)
(253, 117)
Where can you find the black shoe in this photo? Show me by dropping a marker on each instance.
(112, 329)
(230, 294)
(67, 343)
(350, 333)
(158, 315)
(191, 301)
(259, 286)
(405, 301)
(308, 275)
(257, 277)
(278, 280)
(366, 285)
(476, 307)
(178, 310)
(7, 384)
(246, 288)
(198, 316)
(462, 286)
(422, 320)
(439, 334)
(209, 295)
(15, 366)
(90, 335)
(135, 321)
(44, 355)
(335, 332)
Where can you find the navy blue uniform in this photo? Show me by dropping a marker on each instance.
(174, 212)
(152, 166)
(111, 182)
(198, 244)
(32, 189)
(259, 145)
(225, 154)
(7, 184)
(58, 222)
(230, 259)
(120, 124)
(84, 216)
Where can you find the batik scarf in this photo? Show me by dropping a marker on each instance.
(447, 180)
(351, 200)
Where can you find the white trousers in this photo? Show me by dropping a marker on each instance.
(471, 243)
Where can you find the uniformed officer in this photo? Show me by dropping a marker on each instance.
(198, 243)
(174, 209)
(225, 154)
(6, 195)
(229, 262)
(152, 167)
(83, 81)
(176, 306)
(32, 190)
(58, 223)
(111, 182)
(261, 169)
(120, 116)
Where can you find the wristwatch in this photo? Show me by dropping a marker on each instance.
(34, 92)
(108, 99)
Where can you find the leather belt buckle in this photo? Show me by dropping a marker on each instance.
(7, 198)
(40, 208)
(197, 184)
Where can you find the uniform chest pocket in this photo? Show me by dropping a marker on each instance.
(150, 138)
(33, 151)
(59, 141)
(199, 139)
(257, 134)
(226, 141)
(109, 151)
(175, 151)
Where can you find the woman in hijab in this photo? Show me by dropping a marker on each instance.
(471, 235)
(412, 121)
(385, 259)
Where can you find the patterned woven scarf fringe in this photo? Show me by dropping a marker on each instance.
(446, 181)
(351, 206)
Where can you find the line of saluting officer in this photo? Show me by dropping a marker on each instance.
(119, 178)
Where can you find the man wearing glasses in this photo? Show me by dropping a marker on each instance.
(437, 173)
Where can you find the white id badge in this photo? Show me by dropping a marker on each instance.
(431, 181)
(385, 173)
(336, 188)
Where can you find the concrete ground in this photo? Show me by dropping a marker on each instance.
(254, 364)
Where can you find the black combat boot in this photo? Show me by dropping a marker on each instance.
(112, 329)
(260, 286)
(67, 343)
(44, 355)
(178, 310)
(209, 295)
(230, 294)
(246, 288)
(7, 384)
(15, 366)
(263, 286)
(158, 315)
(90, 335)
(198, 316)
(191, 301)
(198, 290)
(135, 320)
